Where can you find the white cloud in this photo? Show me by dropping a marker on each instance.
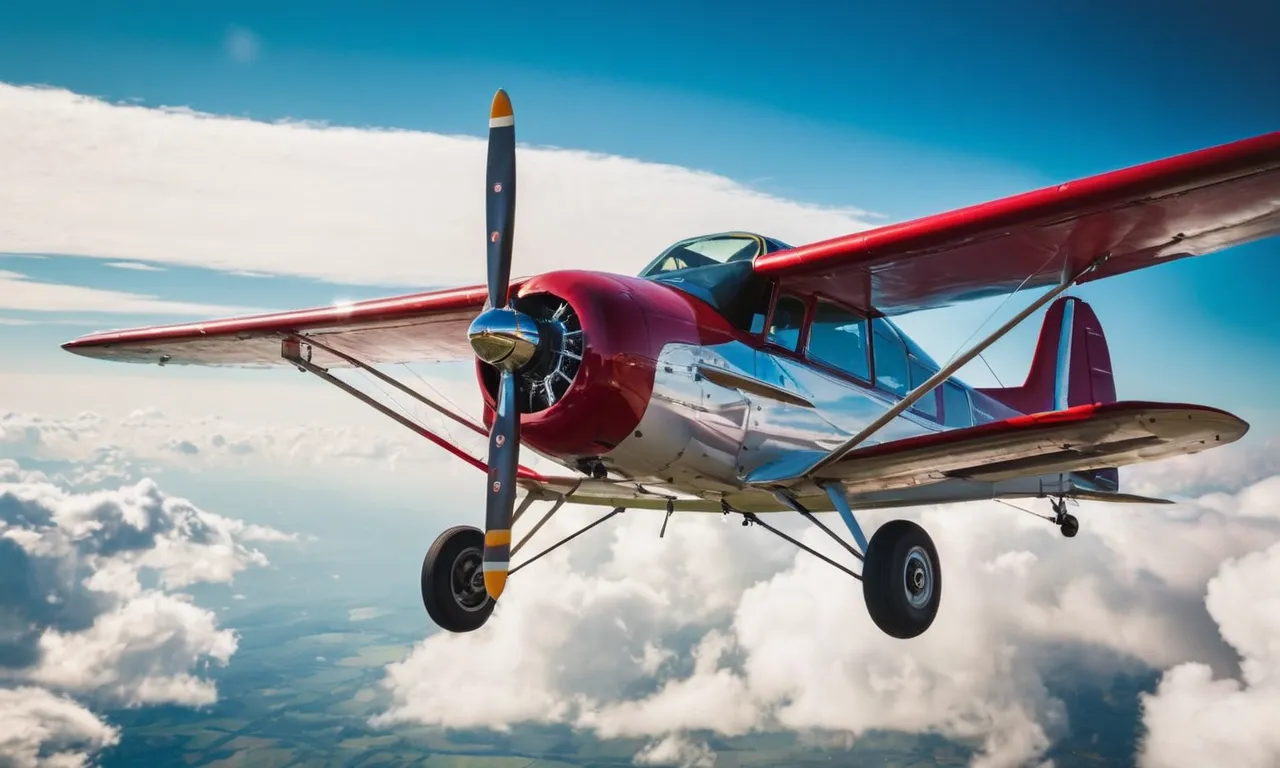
(39, 728)
(724, 629)
(1222, 468)
(676, 750)
(99, 447)
(1194, 719)
(242, 45)
(347, 205)
(18, 292)
(77, 618)
(136, 266)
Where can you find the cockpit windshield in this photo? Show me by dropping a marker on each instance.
(705, 251)
(717, 269)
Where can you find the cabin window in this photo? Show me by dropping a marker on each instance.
(890, 358)
(788, 319)
(838, 338)
(760, 309)
(927, 405)
(955, 406)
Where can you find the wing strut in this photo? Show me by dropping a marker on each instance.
(385, 379)
(949, 370)
(291, 349)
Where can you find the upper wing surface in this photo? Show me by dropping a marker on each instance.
(420, 327)
(1186, 205)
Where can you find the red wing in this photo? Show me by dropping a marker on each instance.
(1072, 440)
(1186, 205)
(420, 327)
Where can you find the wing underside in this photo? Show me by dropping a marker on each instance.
(1187, 205)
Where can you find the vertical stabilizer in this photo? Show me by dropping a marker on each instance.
(1071, 365)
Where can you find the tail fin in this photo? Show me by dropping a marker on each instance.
(1071, 365)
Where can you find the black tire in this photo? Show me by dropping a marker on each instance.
(900, 550)
(1070, 526)
(452, 603)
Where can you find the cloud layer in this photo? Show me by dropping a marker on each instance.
(97, 446)
(1195, 719)
(722, 629)
(92, 613)
(17, 292)
(341, 204)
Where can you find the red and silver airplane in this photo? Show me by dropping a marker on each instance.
(740, 375)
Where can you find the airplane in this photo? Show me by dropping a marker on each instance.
(740, 375)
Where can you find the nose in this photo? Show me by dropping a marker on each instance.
(504, 338)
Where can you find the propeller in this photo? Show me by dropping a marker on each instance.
(505, 338)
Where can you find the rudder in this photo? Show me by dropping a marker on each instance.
(1071, 365)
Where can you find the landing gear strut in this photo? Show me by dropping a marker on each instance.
(1065, 521)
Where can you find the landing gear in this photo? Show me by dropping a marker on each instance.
(901, 579)
(453, 581)
(1065, 521)
(453, 590)
(901, 574)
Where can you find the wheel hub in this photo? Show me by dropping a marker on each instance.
(466, 579)
(918, 578)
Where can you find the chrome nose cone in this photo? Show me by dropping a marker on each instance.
(504, 338)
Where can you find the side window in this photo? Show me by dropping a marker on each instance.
(955, 406)
(890, 358)
(927, 405)
(760, 311)
(788, 318)
(838, 338)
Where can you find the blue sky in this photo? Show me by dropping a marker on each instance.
(872, 105)
(897, 109)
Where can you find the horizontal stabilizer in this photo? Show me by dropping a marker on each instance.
(1113, 497)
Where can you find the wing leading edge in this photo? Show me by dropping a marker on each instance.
(1186, 205)
(419, 327)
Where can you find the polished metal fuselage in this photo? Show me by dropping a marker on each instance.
(703, 438)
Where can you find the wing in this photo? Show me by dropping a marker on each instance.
(1181, 206)
(420, 327)
(1073, 440)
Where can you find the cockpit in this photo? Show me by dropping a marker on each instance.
(710, 250)
(717, 269)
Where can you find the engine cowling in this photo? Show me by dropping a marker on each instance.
(600, 337)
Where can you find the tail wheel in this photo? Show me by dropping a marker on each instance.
(453, 590)
(902, 579)
(1070, 526)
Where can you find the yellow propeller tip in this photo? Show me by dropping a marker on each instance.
(501, 106)
(494, 583)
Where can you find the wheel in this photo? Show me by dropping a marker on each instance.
(1070, 526)
(453, 581)
(901, 579)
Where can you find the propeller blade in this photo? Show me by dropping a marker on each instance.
(500, 199)
(504, 462)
